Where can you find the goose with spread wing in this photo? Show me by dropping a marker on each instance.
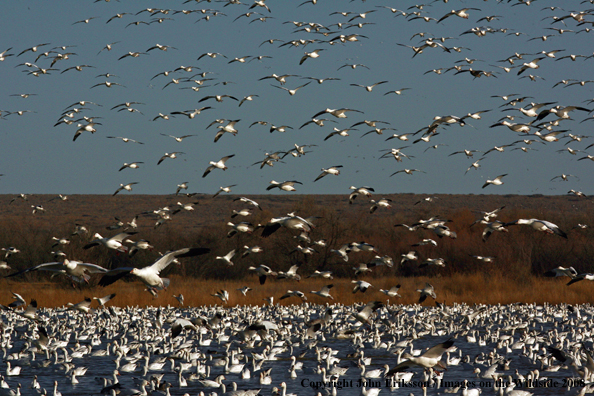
(77, 270)
(115, 242)
(150, 275)
(540, 225)
(429, 359)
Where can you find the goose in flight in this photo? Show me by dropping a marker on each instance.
(127, 187)
(169, 155)
(407, 171)
(369, 88)
(291, 222)
(429, 359)
(240, 227)
(496, 182)
(561, 271)
(581, 277)
(296, 293)
(150, 275)
(530, 65)
(226, 189)
(333, 170)
(249, 201)
(115, 242)
(491, 227)
(177, 138)
(540, 225)
(220, 164)
(131, 165)
(427, 291)
(76, 270)
(263, 271)
(229, 128)
(361, 286)
(459, 13)
(227, 258)
(285, 186)
(324, 292)
(338, 113)
(292, 91)
(392, 292)
(383, 203)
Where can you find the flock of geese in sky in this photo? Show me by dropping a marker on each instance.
(339, 58)
(124, 111)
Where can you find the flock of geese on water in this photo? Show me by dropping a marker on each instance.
(307, 349)
(515, 350)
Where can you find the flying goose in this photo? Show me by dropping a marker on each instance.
(428, 290)
(496, 182)
(262, 271)
(324, 292)
(150, 275)
(429, 359)
(540, 225)
(77, 270)
(220, 164)
(114, 242)
(333, 170)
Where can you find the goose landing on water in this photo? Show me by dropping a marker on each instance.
(429, 359)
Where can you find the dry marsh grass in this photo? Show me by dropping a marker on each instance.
(521, 255)
(459, 288)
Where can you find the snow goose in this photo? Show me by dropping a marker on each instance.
(496, 182)
(285, 186)
(220, 164)
(333, 170)
(561, 271)
(324, 292)
(429, 359)
(223, 295)
(492, 227)
(292, 222)
(262, 271)
(392, 292)
(382, 203)
(240, 227)
(364, 316)
(114, 242)
(227, 258)
(150, 275)
(248, 201)
(103, 300)
(540, 225)
(342, 252)
(296, 293)
(226, 189)
(12, 371)
(361, 286)
(428, 290)
(77, 270)
(581, 277)
(127, 187)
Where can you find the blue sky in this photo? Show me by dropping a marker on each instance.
(40, 158)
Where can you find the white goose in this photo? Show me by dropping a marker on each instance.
(150, 275)
(115, 242)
